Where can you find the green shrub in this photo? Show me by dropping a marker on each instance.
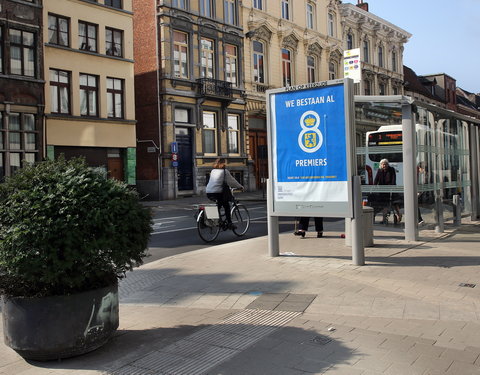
(65, 229)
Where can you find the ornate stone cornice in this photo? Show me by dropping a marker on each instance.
(290, 42)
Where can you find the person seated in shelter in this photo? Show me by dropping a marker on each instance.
(386, 175)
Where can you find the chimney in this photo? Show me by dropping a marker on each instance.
(362, 5)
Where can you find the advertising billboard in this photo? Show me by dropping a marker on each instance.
(309, 148)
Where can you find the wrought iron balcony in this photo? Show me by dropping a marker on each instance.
(215, 88)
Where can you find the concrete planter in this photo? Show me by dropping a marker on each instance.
(60, 326)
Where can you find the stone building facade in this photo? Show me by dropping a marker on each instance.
(381, 47)
(21, 85)
(288, 42)
(189, 94)
(88, 68)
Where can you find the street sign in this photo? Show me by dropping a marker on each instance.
(174, 147)
(352, 65)
(175, 164)
(174, 157)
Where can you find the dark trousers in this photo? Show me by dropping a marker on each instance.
(303, 223)
(221, 203)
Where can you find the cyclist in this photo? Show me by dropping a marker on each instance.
(218, 177)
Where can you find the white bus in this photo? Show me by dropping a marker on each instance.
(389, 135)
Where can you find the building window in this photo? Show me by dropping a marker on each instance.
(332, 70)
(22, 53)
(311, 69)
(87, 36)
(115, 97)
(60, 91)
(394, 61)
(382, 89)
(286, 9)
(182, 4)
(395, 90)
(230, 11)
(182, 115)
(258, 62)
(366, 51)
(231, 64)
(233, 133)
(331, 24)
(286, 67)
(21, 139)
(58, 30)
(114, 3)
(368, 87)
(310, 15)
(380, 56)
(113, 42)
(349, 41)
(88, 95)
(1, 62)
(207, 62)
(209, 133)
(206, 8)
(180, 54)
(258, 4)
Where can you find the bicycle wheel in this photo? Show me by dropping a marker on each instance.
(208, 229)
(240, 219)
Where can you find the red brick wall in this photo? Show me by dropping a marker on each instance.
(146, 93)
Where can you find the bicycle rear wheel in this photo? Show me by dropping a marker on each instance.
(208, 229)
(240, 219)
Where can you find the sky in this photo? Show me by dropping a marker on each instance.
(445, 36)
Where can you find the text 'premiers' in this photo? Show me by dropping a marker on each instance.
(311, 162)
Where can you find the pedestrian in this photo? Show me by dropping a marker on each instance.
(386, 175)
(215, 187)
(303, 226)
(421, 178)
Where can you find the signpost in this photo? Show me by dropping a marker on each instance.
(311, 153)
(351, 65)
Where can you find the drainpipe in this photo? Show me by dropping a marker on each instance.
(159, 107)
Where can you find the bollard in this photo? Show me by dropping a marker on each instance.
(367, 221)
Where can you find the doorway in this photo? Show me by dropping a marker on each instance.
(183, 138)
(258, 153)
(115, 164)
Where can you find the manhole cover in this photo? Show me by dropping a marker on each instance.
(320, 340)
(468, 285)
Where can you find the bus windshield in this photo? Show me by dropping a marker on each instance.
(386, 138)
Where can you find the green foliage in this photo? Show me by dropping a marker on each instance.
(66, 229)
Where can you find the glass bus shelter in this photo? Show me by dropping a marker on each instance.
(435, 153)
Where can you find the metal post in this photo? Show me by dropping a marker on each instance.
(273, 226)
(410, 197)
(474, 173)
(457, 210)
(358, 251)
(439, 226)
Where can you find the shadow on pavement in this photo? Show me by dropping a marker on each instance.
(288, 350)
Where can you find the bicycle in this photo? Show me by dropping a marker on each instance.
(210, 220)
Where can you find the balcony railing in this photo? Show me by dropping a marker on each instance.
(215, 88)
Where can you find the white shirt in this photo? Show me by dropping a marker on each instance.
(216, 181)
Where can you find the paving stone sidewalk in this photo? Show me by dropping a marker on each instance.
(232, 309)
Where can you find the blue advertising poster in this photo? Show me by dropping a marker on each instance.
(310, 157)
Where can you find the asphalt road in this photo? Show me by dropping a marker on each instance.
(175, 230)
